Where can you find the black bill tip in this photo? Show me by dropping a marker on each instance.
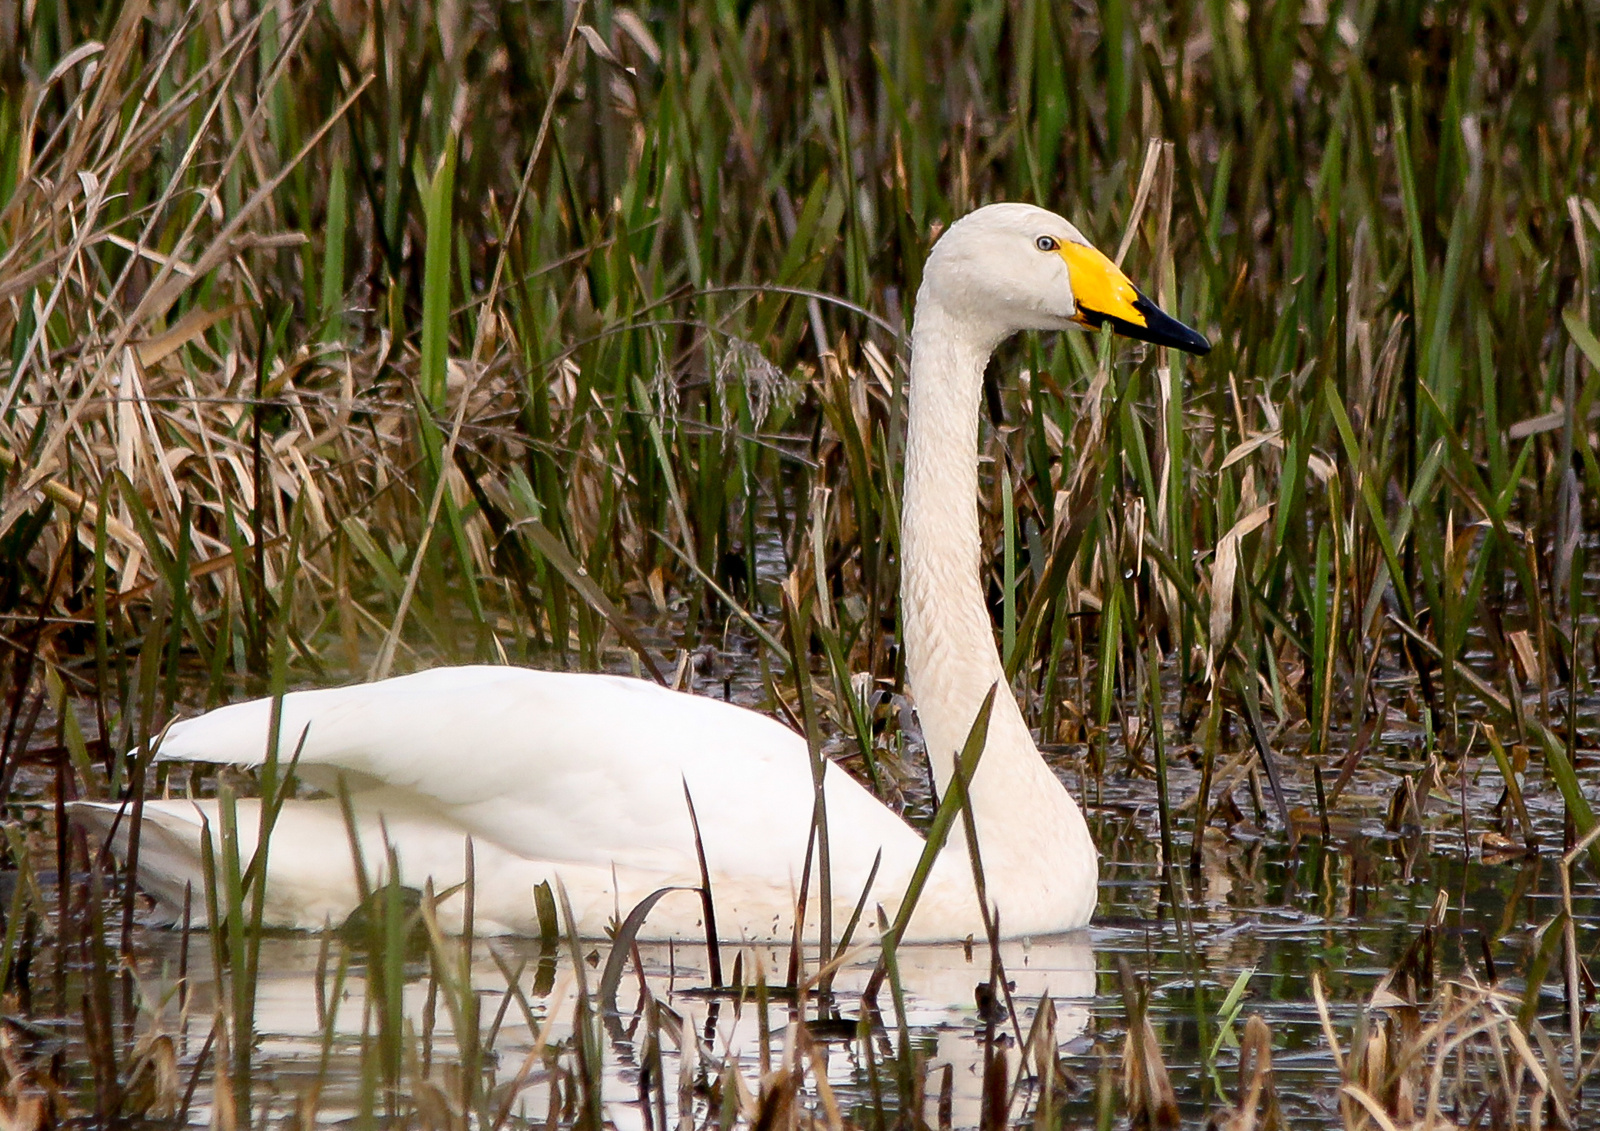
(1160, 328)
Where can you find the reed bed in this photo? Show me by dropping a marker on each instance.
(345, 338)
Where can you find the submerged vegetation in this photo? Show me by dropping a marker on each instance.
(339, 339)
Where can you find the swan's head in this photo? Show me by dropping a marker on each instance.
(1010, 267)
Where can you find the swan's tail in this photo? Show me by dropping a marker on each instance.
(311, 882)
(170, 869)
(311, 872)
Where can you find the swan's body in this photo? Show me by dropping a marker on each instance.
(554, 774)
(582, 777)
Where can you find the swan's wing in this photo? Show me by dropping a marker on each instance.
(558, 766)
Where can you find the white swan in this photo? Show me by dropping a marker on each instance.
(582, 777)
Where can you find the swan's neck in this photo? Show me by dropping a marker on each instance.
(1026, 821)
(950, 651)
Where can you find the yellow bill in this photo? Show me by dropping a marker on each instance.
(1105, 296)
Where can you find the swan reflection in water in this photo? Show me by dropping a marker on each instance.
(294, 1016)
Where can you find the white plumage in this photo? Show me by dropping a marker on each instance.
(582, 777)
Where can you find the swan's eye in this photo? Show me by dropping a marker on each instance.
(1047, 243)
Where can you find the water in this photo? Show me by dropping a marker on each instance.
(1347, 909)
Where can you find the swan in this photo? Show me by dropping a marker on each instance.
(583, 777)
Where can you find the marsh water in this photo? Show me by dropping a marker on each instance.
(1345, 910)
(1263, 903)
